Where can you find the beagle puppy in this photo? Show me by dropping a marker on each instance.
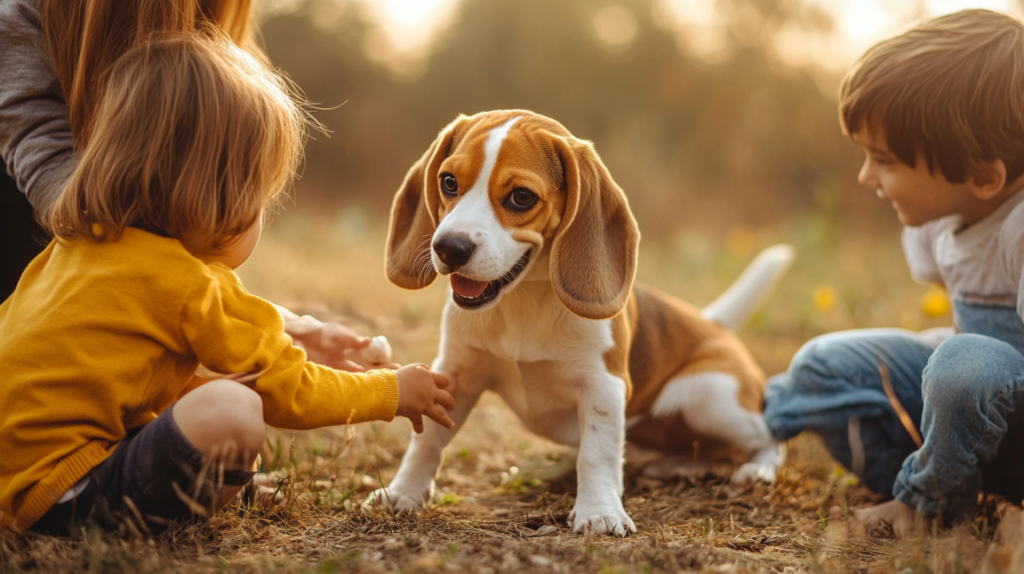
(540, 248)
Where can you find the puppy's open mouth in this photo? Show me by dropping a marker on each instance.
(469, 293)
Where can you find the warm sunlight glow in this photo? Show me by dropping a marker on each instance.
(403, 30)
(858, 25)
(406, 28)
(410, 25)
(864, 21)
(615, 26)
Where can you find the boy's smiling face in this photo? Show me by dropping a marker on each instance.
(917, 195)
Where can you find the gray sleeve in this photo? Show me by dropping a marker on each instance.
(35, 132)
(918, 246)
(1011, 247)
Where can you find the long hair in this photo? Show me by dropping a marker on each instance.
(86, 37)
(193, 138)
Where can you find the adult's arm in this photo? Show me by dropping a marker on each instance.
(35, 132)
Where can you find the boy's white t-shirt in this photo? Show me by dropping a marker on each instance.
(981, 264)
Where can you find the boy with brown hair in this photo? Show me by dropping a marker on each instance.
(939, 112)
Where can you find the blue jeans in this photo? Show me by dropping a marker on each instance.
(961, 393)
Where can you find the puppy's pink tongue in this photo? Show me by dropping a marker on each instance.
(467, 287)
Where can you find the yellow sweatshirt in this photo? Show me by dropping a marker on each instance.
(100, 337)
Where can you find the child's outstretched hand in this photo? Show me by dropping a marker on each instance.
(325, 343)
(424, 392)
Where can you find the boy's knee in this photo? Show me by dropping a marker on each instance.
(220, 413)
(964, 370)
(817, 360)
(791, 397)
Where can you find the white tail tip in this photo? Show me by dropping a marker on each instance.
(739, 301)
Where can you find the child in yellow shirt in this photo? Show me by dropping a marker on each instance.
(192, 140)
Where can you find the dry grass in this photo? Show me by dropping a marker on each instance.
(504, 495)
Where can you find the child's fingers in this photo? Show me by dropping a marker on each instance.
(337, 335)
(417, 423)
(445, 399)
(439, 416)
(441, 381)
(347, 365)
(345, 342)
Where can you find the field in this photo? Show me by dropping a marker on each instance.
(503, 494)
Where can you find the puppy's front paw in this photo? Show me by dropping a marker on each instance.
(763, 466)
(752, 472)
(608, 518)
(399, 501)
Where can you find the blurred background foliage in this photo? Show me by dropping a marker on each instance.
(721, 128)
(702, 142)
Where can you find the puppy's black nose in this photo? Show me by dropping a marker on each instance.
(454, 250)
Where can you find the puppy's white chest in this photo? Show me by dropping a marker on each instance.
(553, 358)
(530, 325)
(528, 341)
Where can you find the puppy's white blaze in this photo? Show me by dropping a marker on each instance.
(709, 402)
(491, 149)
(474, 216)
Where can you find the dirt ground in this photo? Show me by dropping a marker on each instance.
(504, 495)
(502, 503)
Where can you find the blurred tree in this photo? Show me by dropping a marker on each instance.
(358, 101)
(745, 140)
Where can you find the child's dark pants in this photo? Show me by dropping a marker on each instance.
(153, 477)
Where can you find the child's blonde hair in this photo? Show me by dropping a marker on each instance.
(950, 89)
(192, 138)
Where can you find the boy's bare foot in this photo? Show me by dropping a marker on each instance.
(1011, 527)
(903, 520)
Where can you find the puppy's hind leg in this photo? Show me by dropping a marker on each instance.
(710, 404)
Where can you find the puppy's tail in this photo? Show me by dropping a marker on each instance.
(738, 302)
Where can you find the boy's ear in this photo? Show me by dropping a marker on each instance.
(989, 181)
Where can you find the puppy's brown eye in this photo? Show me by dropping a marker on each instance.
(448, 184)
(521, 199)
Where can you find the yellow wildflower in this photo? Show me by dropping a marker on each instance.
(935, 302)
(824, 298)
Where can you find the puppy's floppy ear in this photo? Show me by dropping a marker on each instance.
(414, 217)
(594, 252)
